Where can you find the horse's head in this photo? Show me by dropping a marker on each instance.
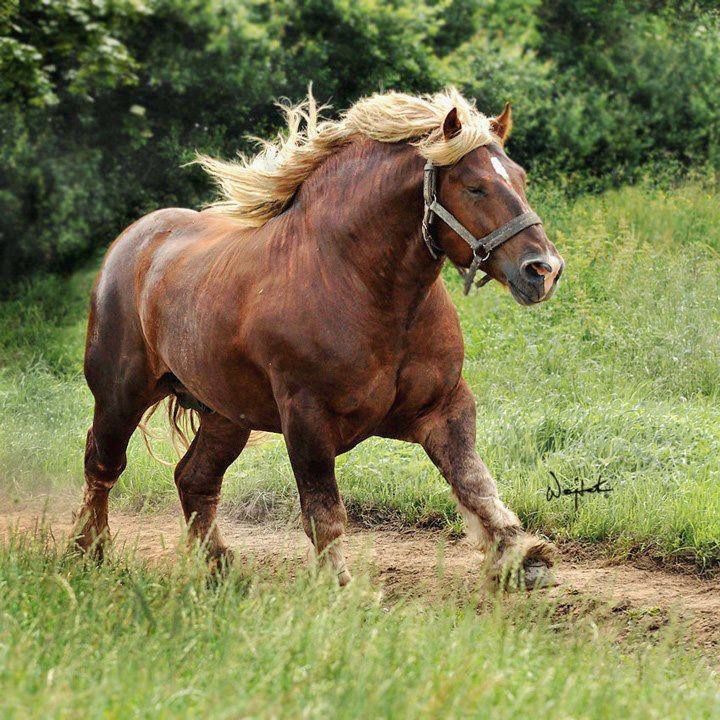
(484, 191)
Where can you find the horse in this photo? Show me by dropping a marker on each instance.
(308, 301)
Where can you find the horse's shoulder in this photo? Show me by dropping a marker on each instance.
(435, 337)
(437, 317)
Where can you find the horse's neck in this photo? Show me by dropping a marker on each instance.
(362, 211)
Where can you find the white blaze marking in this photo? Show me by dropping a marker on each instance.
(499, 169)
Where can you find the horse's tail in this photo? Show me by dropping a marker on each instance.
(184, 423)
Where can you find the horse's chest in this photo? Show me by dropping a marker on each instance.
(361, 407)
(363, 395)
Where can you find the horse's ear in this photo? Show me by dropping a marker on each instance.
(502, 124)
(451, 125)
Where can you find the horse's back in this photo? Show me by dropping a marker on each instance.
(137, 239)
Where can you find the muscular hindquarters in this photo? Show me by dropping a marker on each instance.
(120, 374)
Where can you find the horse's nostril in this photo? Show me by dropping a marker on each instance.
(537, 269)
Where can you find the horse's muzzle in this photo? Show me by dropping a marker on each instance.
(536, 278)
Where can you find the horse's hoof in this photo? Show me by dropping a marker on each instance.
(531, 575)
(90, 545)
(75, 553)
(220, 561)
(538, 575)
(523, 563)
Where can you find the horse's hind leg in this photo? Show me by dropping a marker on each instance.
(119, 408)
(118, 374)
(199, 477)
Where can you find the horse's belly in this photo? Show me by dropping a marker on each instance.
(247, 401)
(231, 386)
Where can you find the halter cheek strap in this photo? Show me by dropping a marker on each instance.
(481, 247)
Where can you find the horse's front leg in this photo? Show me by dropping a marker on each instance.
(448, 437)
(308, 437)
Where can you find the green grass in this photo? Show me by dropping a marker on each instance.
(128, 641)
(617, 377)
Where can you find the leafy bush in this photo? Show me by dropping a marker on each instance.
(101, 103)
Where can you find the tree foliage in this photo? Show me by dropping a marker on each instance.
(103, 101)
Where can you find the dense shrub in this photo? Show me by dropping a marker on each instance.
(103, 101)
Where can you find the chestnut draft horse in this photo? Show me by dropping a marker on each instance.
(309, 302)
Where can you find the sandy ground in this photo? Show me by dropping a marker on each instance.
(420, 564)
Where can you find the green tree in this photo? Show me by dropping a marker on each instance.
(102, 102)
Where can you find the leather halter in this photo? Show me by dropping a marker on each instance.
(481, 247)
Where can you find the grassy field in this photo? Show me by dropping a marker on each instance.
(617, 377)
(126, 641)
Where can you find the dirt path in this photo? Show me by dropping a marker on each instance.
(421, 564)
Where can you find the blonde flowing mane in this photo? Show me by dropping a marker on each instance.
(256, 189)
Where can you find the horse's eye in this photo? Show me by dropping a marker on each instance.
(477, 191)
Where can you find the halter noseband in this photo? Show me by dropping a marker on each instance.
(481, 247)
